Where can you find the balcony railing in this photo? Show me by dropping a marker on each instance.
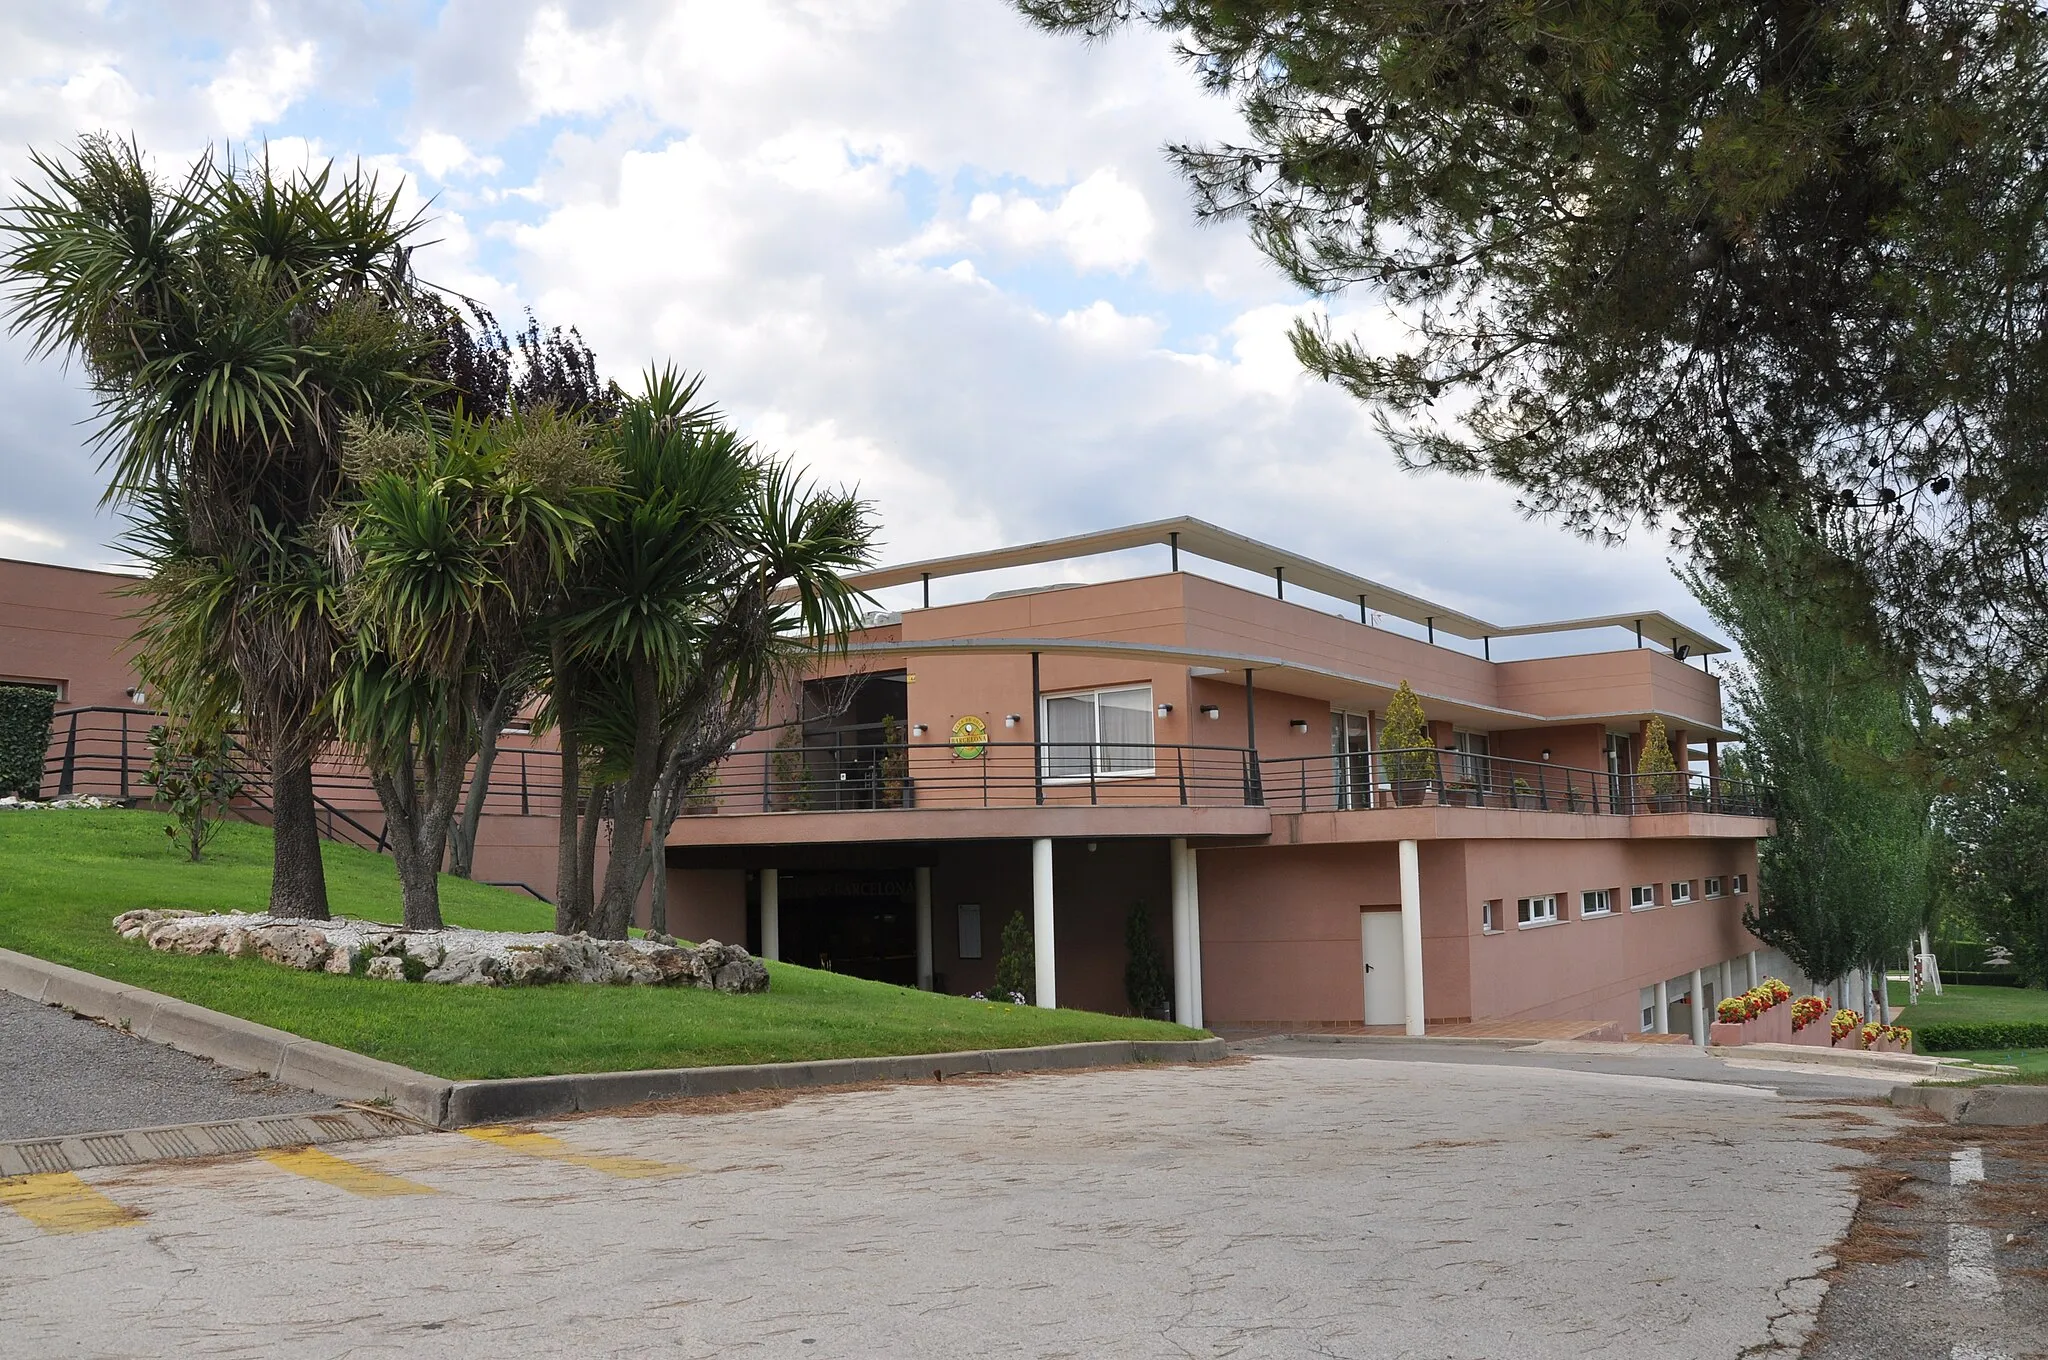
(1426, 776)
(105, 751)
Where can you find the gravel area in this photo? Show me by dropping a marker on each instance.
(60, 1074)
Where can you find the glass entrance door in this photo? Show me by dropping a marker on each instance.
(1350, 744)
(1619, 767)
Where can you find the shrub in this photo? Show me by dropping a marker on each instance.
(1954, 1036)
(1732, 1010)
(1844, 1021)
(1016, 969)
(1147, 984)
(24, 738)
(194, 774)
(1656, 771)
(1404, 732)
(1775, 992)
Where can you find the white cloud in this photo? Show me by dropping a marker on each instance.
(442, 155)
(1101, 223)
(259, 85)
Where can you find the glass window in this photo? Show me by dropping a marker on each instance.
(1536, 911)
(1489, 918)
(1101, 732)
(1472, 766)
(1739, 884)
(1681, 892)
(1595, 902)
(1711, 888)
(1641, 896)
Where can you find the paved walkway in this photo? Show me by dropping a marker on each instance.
(60, 1074)
(1281, 1206)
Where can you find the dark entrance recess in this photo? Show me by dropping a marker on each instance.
(863, 924)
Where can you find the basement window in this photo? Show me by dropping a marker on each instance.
(1681, 892)
(1642, 897)
(1738, 884)
(1489, 918)
(1536, 911)
(1710, 888)
(1596, 902)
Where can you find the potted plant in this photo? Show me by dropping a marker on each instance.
(1656, 771)
(1404, 738)
(1525, 794)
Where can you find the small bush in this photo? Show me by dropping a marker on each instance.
(24, 738)
(1148, 986)
(1016, 968)
(1957, 1036)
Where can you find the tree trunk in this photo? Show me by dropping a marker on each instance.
(419, 808)
(298, 881)
(462, 835)
(585, 861)
(625, 869)
(659, 820)
(570, 916)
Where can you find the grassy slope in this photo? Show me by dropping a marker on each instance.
(1967, 1005)
(65, 875)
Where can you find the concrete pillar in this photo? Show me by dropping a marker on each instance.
(1183, 969)
(1041, 920)
(1662, 1023)
(1699, 1009)
(1727, 980)
(922, 878)
(1751, 960)
(771, 915)
(1199, 1011)
(1411, 936)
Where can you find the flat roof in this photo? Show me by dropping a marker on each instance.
(1199, 538)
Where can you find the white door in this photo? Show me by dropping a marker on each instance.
(1386, 979)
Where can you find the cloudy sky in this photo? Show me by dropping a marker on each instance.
(916, 243)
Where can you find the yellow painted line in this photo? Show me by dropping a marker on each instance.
(59, 1202)
(329, 1169)
(554, 1149)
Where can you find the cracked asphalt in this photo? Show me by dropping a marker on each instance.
(1279, 1206)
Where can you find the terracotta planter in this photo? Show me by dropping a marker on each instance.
(1721, 1032)
(1814, 1035)
(1778, 1023)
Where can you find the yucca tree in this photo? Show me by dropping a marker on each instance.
(459, 538)
(228, 324)
(717, 571)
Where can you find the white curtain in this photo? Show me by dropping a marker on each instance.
(1126, 723)
(1070, 718)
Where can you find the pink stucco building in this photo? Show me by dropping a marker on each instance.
(1209, 751)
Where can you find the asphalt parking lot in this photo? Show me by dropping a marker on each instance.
(1278, 1206)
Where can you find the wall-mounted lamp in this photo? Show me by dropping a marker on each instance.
(1166, 710)
(1546, 753)
(1211, 711)
(138, 696)
(1298, 724)
(1013, 719)
(918, 729)
(1681, 651)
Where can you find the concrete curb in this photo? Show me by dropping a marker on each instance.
(1312, 1037)
(226, 1039)
(129, 1147)
(1893, 1064)
(1990, 1106)
(337, 1072)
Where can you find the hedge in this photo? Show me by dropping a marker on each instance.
(24, 738)
(1949, 1037)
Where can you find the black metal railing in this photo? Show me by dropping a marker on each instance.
(1427, 776)
(939, 774)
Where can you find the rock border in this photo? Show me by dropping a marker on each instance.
(327, 1070)
(1989, 1106)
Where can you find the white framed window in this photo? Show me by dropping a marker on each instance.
(1473, 766)
(1642, 897)
(1489, 918)
(1098, 732)
(1596, 902)
(1681, 892)
(1536, 911)
(1646, 997)
(1738, 884)
(1710, 888)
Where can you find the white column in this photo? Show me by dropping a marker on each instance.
(1041, 920)
(1662, 1024)
(1195, 1006)
(922, 878)
(1183, 971)
(1699, 1009)
(1727, 980)
(1751, 959)
(1411, 936)
(771, 915)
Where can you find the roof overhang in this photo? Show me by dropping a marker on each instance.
(1199, 538)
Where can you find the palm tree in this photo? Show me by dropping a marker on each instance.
(228, 325)
(718, 572)
(460, 536)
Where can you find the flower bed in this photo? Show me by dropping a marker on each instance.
(1758, 1016)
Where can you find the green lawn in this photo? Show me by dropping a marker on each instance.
(2031, 1064)
(64, 876)
(1968, 1005)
